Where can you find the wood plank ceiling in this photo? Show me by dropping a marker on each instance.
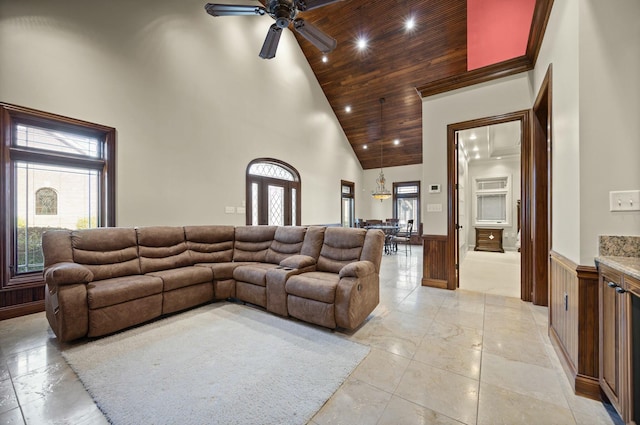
(400, 66)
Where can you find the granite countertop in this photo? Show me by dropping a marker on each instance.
(627, 265)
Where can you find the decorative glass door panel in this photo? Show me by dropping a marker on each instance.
(276, 205)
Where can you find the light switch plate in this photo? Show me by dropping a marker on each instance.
(434, 207)
(624, 200)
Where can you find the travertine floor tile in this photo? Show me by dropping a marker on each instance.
(381, 369)
(500, 406)
(452, 357)
(355, 402)
(456, 334)
(12, 417)
(400, 411)
(8, 399)
(530, 380)
(445, 392)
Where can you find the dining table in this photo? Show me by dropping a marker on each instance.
(390, 231)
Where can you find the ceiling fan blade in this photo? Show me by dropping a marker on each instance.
(215, 9)
(271, 42)
(313, 4)
(322, 41)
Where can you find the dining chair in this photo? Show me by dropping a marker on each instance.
(404, 237)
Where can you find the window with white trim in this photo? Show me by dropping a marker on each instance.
(492, 203)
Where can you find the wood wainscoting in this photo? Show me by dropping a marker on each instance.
(435, 262)
(573, 322)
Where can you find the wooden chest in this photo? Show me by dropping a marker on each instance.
(488, 240)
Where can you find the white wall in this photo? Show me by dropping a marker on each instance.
(191, 101)
(609, 126)
(496, 168)
(506, 95)
(384, 209)
(593, 46)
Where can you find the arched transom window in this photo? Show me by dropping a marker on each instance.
(273, 193)
(46, 201)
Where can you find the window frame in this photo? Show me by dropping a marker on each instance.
(396, 196)
(10, 154)
(263, 182)
(350, 196)
(507, 191)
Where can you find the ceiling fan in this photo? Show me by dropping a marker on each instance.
(284, 12)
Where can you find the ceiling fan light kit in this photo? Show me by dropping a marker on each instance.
(284, 12)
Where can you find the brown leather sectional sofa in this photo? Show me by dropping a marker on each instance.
(103, 280)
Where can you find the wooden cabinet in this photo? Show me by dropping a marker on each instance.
(618, 300)
(488, 240)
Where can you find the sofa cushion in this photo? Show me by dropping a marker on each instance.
(210, 244)
(253, 273)
(341, 246)
(287, 241)
(252, 243)
(183, 276)
(117, 290)
(319, 286)
(107, 252)
(162, 248)
(223, 271)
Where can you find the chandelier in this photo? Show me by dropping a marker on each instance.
(381, 192)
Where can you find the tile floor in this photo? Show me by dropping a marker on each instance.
(437, 357)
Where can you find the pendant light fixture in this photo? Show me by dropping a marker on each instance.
(381, 192)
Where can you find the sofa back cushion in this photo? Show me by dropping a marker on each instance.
(107, 251)
(253, 242)
(341, 246)
(56, 247)
(210, 244)
(373, 247)
(313, 240)
(287, 241)
(162, 248)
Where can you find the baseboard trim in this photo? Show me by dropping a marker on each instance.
(587, 386)
(21, 310)
(435, 283)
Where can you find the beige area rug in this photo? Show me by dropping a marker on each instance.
(219, 364)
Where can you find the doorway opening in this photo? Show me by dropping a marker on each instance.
(494, 189)
(488, 197)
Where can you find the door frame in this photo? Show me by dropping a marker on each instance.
(452, 199)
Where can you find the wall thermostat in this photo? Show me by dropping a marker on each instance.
(434, 188)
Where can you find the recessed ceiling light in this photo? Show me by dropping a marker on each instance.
(361, 42)
(365, 147)
(477, 156)
(347, 109)
(475, 149)
(499, 157)
(325, 59)
(396, 142)
(410, 23)
(473, 136)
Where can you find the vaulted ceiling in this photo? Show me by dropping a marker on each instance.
(401, 66)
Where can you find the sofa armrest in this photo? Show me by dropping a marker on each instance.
(67, 274)
(358, 269)
(298, 261)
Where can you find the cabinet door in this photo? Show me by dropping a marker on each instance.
(610, 334)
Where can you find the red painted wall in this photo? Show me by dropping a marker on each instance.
(497, 30)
